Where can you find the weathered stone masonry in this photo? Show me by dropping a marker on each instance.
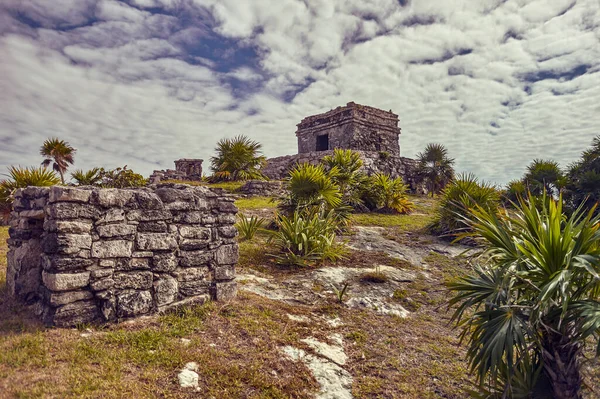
(90, 254)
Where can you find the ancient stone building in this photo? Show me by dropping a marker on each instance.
(185, 169)
(372, 132)
(91, 254)
(355, 127)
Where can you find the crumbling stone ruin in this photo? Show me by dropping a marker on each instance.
(91, 254)
(263, 188)
(371, 132)
(185, 169)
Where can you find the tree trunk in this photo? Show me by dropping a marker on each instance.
(62, 176)
(561, 364)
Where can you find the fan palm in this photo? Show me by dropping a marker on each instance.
(237, 159)
(58, 153)
(583, 185)
(544, 175)
(435, 167)
(532, 302)
(346, 166)
(309, 186)
(92, 177)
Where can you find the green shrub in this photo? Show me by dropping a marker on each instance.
(310, 187)
(514, 190)
(247, 227)
(305, 239)
(237, 159)
(92, 177)
(121, 178)
(458, 199)
(384, 194)
(344, 169)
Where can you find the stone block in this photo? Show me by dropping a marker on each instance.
(133, 264)
(33, 214)
(155, 242)
(227, 231)
(152, 227)
(192, 273)
(116, 230)
(63, 298)
(224, 272)
(195, 258)
(58, 263)
(190, 217)
(66, 243)
(195, 232)
(193, 288)
(227, 206)
(75, 313)
(66, 210)
(112, 216)
(224, 290)
(170, 194)
(133, 280)
(148, 215)
(164, 262)
(112, 197)
(133, 303)
(68, 226)
(166, 289)
(102, 284)
(192, 245)
(148, 200)
(101, 273)
(65, 281)
(226, 218)
(112, 249)
(68, 194)
(227, 254)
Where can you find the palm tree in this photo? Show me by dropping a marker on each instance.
(533, 299)
(544, 175)
(59, 153)
(344, 168)
(583, 178)
(435, 167)
(237, 159)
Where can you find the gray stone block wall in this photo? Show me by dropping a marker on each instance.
(96, 255)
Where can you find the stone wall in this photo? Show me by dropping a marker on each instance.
(90, 254)
(263, 188)
(355, 126)
(373, 162)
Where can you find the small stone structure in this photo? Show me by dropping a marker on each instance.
(91, 254)
(355, 127)
(185, 169)
(263, 188)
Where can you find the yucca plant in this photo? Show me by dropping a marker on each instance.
(92, 177)
(237, 159)
(19, 177)
(384, 194)
(304, 239)
(458, 199)
(59, 153)
(248, 226)
(533, 299)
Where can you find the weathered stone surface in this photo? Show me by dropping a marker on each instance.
(148, 215)
(227, 254)
(192, 273)
(152, 227)
(164, 262)
(224, 272)
(101, 273)
(191, 245)
(192, 217)
(227, 231)
(116, 230)
(195, 232)
(112, 197)
(102, 284)
(155, 241)
(195, 258)
(65, 281)
(75, 313)
(68, 194)
(134, 303)
(63, 298)
(68, 226)
(224, 290)
(112, 249)
(263, 188)
(148, 200)
(23, 275)
(66, 243)
(61, 263)
(193, 288)
(165, 290)
(111, 216)
(133, 280)
(32, 214)
(133, 264)
(65, 210)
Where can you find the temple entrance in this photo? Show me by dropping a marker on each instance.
(323, 142)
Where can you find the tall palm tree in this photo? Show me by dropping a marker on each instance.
(59, 153)
(435, 167)
(237, 159)
(544, 175)
(533, 300)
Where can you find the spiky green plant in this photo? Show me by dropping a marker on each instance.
(344, 168)
(384, 194)
(583, 179)
(310, 187)
(237, 159)
(435, 167)
(544, 175)
(533, 299)
(92, 177)
(304, 239)
(514, 190)
(59, 153)
(248, 226)
(458, 199)
(19, 177)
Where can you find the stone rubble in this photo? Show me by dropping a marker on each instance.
(188, 377)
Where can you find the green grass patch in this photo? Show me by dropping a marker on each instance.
(232, 186)
(3, 251)
(255, 203)
(412, 222)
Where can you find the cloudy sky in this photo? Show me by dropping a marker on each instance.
(145, 82)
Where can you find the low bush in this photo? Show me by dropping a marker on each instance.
(112, 178)
(458, 199)
(384, 194)
(248, 226)
(304, 239)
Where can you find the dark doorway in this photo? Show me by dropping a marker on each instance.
(323, 142)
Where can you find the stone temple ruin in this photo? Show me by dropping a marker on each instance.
(185, 169)
(92, 254)
(372, 132)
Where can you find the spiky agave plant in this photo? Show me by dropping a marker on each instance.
(59, 153)
(249, 226)
(533, 299)
(237, 159)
